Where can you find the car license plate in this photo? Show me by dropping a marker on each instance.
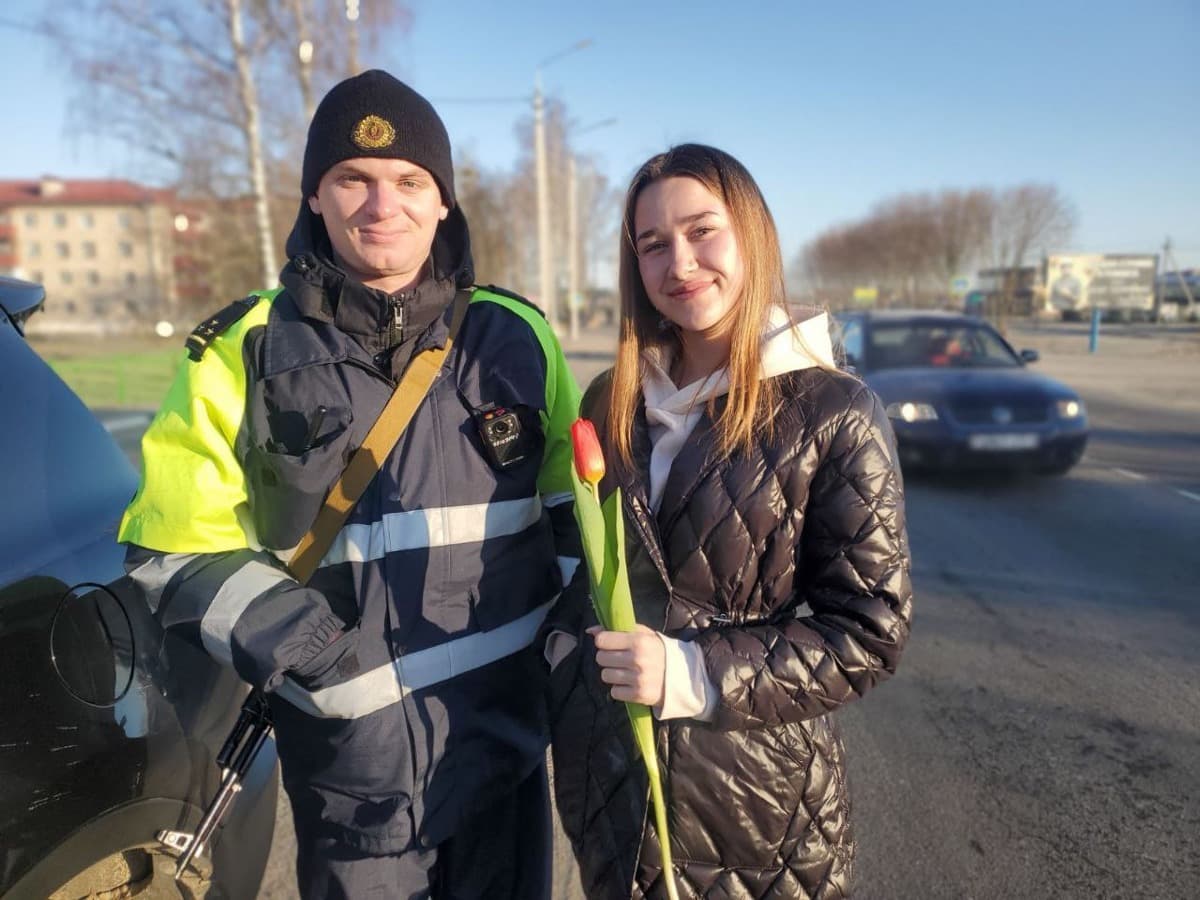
(1009, 441)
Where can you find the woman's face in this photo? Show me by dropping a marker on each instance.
(688, 256)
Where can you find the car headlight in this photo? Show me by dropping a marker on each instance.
(912, 412)
(1070, 409)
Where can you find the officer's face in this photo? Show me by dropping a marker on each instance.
(381, 215)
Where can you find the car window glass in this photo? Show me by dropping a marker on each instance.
(852, 342)
(905, 345)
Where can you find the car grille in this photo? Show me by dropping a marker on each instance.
(987, 412)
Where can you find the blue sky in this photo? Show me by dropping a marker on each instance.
(832, 107)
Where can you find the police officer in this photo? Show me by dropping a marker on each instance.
(405, 677)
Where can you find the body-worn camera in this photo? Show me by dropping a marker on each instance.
(505, 440)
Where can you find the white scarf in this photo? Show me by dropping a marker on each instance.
(672, 412)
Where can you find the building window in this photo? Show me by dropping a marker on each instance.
(89, 250)
(63, 249)
(123, 219)
(93, 277)
(35, 250)
(60, 220)
(36, 275)
(131, 278)
(66, 277)
(126, 249)
(87, 220)
(31, 219)
(70, 307)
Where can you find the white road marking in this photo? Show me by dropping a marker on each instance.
(126, 423)
(1188, 494)
(1136, 476)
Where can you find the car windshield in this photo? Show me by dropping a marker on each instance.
(903, 345)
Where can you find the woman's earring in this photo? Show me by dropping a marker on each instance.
(664, 324)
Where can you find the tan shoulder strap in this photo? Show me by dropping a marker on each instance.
(378, 444)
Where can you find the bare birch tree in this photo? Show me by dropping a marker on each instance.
(211, 96)
(252, 132)
(1028, 218)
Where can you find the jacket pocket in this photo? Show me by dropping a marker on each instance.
(287, 488)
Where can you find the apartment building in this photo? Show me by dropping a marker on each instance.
(106, 250)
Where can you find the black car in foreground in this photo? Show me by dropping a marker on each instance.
(958, 395)
(108, 728)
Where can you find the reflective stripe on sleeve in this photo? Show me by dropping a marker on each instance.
(240, 589)
(388, 684)
(153, 575)
(567, 566)
(437, 527)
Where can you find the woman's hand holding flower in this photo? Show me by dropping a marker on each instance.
(633, 662)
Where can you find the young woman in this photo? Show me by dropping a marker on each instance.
(767, 556)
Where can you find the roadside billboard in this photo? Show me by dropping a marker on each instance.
(1079, 281)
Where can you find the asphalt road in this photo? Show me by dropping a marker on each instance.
(1042, 738)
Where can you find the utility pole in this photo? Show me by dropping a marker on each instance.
(573, 246)
(545, 272)
(1171, 266)
(545, 264)
(575, 271)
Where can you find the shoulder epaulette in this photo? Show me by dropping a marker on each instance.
(204, 333)
(492, 289)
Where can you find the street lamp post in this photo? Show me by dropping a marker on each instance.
(545, 267)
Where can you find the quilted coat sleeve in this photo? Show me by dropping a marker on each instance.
(853, 570)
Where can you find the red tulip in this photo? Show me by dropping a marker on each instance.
(589, 461)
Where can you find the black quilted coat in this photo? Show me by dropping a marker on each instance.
(789, 566)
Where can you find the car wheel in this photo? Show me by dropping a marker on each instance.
(146, 872)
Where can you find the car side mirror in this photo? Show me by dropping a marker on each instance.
(1029, 356)
(19, 300)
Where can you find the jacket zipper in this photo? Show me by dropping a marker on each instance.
(396, 325)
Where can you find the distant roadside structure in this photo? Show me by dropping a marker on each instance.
(1018, 283)
(113, 255)
(1120, 285)
(1179, 295)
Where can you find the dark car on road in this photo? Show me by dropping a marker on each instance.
(958, 395)
(108, 728)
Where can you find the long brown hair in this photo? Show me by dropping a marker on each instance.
(750, 400)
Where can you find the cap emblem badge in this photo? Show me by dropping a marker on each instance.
(373, 133)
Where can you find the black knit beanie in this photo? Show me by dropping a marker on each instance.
(373, 114)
